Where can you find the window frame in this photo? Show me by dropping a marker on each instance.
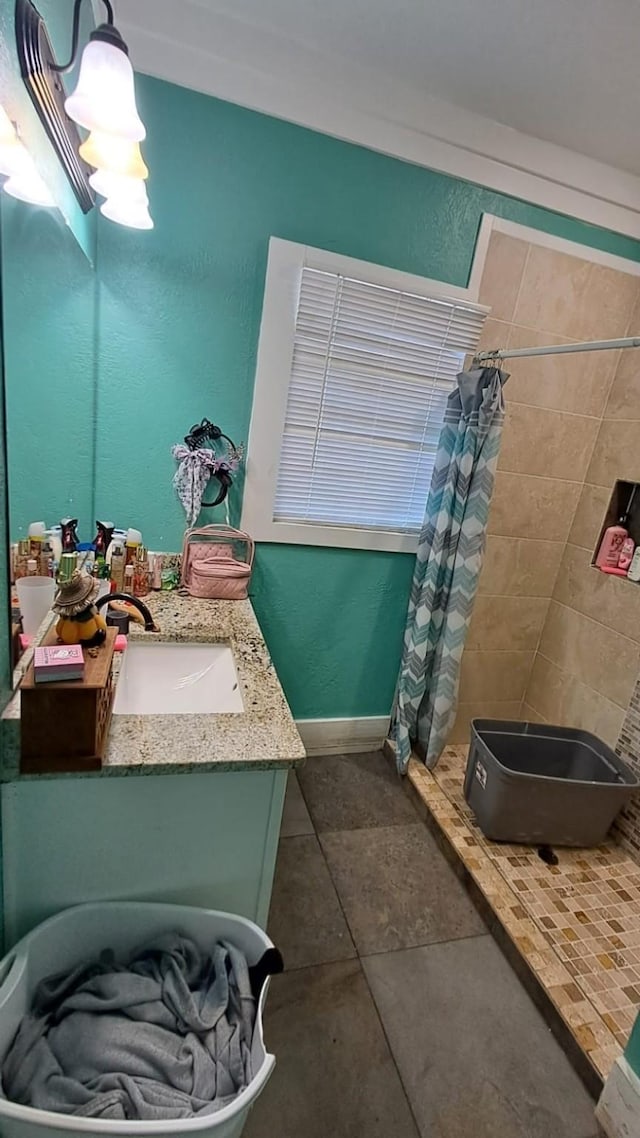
(286, 261)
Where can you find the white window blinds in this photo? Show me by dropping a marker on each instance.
(372, 369)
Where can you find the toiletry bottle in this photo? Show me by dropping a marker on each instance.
(55, 537)
(21, 559)
(170, 580)
(87, 560)
(128, 579)
(613, 538)
(119, 538)
(634, 568)
(32, 567)
(626, 553)
(611, 545)
(102, 540)
(69, 535)
(117, 564)
(132, 545)
(67, 566)
(46, 558)
(156, 571)
(36, 533)
(141, 574)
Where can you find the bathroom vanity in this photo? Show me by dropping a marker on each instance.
(188, 803)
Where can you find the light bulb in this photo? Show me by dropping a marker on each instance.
(118, 186)
(10, 145)
(105, 98)
(28, 186)
(7, 129)
(114, 155)
(134, 214)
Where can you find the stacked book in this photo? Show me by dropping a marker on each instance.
(58, 662)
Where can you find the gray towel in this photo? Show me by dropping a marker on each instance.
(167, 1035)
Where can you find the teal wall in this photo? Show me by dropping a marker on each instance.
(179, 320)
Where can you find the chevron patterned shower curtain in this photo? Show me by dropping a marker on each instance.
(448, 565)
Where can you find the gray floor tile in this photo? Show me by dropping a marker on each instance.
(349, 792)
(295, 816)
(396, 888)
(305, 918)
(474, 1054)
(334, 1075)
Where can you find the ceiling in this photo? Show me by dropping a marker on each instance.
(565, 72)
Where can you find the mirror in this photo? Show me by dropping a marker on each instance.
(49, 292)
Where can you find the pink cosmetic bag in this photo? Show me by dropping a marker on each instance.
(217, 563)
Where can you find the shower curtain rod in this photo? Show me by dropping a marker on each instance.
(557, 349)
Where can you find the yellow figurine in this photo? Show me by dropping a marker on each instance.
(80, 622)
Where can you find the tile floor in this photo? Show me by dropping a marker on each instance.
(577, 924)
(397, 1015)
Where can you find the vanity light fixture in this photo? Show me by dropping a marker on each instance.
(103, 103)
(9, 144)
(23, 180)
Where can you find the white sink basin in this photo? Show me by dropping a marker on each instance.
(177, 679)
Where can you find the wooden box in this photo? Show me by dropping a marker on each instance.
(64, 726)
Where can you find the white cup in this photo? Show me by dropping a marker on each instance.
(35, 597)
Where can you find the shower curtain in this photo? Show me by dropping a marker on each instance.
(448, 564)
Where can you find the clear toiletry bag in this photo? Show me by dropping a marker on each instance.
(217, 563)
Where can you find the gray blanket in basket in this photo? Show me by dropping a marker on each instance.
(167, 1035)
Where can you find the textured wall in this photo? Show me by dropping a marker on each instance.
(50, 368)
(179, 320)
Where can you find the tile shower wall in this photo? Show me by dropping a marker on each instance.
(534, 650)
(589, 654)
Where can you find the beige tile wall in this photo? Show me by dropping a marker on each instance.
(551, 638)
(589, 654)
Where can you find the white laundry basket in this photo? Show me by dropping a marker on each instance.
(75, 936)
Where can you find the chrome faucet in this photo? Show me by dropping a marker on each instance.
(149, 623)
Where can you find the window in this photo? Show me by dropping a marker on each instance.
(355, 366)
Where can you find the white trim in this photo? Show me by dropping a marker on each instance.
(275, 349)
(343, 736)
(488, 223)
(382, 275)
(261, 70)
(618, 1110)
(558, 244)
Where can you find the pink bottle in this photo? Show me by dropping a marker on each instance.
(611, 546)
(626, 553)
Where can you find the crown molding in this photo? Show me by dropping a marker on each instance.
(257, 69)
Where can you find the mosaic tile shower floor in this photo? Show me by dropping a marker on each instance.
(577, 924)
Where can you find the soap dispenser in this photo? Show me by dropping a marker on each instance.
(102, 540)
(69, 535)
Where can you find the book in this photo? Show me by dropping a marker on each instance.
(58, 662)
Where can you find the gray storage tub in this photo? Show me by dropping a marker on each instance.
(544, 785)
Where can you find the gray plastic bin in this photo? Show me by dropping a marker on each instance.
(544, 785)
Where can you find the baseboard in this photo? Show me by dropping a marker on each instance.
(343, 736)
(618, 1110)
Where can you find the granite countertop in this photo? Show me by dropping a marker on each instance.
(263, 736)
